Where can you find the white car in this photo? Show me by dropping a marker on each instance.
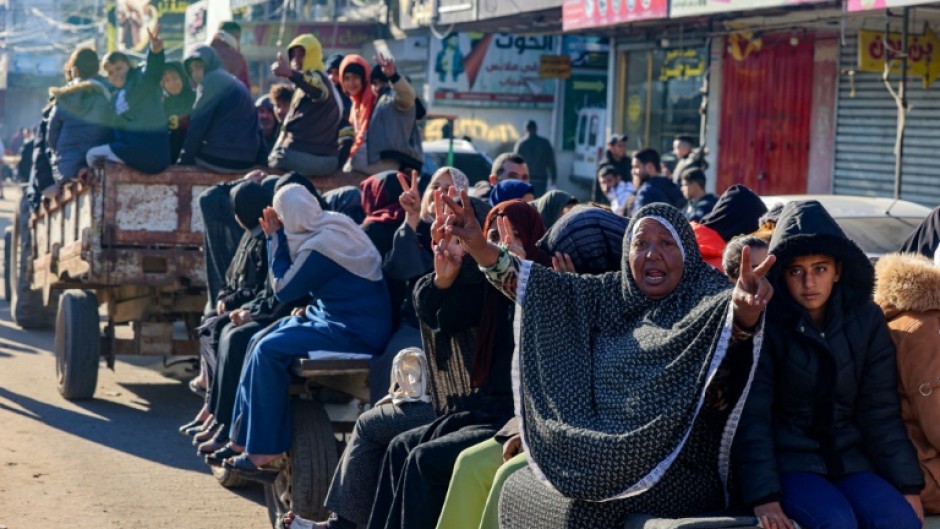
(474, 163)
(877, 225)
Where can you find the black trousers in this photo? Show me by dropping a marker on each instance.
(418, 466)
(232, 353)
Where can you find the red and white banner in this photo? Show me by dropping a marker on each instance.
(865, 5)
(584, 14)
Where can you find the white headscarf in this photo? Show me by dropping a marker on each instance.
(309, 228)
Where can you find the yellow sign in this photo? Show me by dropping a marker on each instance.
(682, 64)
(923, 53)
(554, 66)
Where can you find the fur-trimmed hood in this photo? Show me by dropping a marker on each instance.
(906, 282)
(80, 87)
(78, 96)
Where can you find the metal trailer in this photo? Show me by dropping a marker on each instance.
(119, 244)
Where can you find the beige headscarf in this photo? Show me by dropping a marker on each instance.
(334, 235)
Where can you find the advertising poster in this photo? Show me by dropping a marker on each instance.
(491, 70)
(129, 20)
(865, 5)
(587, 86)
(582, 14)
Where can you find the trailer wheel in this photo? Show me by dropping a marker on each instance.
(7, 262)
(26, 306)
(228, 479)
(77, 344)
(305, 480)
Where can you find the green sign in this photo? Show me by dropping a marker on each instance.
(584, 89)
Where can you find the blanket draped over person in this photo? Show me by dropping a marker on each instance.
(309, 228)
(608, 399)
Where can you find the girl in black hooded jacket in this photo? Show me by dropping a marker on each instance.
(821, 440)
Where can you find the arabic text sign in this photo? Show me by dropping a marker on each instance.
(865, 5)
(555, 66)
(923, 53)
(686, 8)
(582, 14)
(491, 69)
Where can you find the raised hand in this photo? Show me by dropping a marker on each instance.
(507, 237)
(410, 199)
(387, 64)
(281, 68)
(462, 224)
(448, 256)
(156, 43)
(752, 292)
(270, 222)
(561, 262)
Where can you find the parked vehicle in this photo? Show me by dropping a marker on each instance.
(474, 163)
(877, 225)
(590, 143)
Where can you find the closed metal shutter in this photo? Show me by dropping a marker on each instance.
(866, 124)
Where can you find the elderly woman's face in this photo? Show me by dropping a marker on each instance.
(655, 259)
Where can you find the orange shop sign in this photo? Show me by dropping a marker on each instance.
(923, 53)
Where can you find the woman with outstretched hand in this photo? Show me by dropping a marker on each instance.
(629, 384)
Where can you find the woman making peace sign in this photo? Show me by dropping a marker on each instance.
(628, 385)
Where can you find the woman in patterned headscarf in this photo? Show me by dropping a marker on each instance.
(626, 400)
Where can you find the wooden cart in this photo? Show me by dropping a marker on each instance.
(115, 262)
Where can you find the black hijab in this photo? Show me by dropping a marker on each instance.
(737, 212)
(248, 201)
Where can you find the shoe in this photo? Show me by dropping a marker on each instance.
(219, 456)
(189, 426)
(206, 434)
(219, 440)
(243, 466)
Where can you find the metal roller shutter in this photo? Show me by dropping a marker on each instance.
(866, 125)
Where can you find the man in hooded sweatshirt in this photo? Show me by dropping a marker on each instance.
(308, 141)
(226, 44)
(394, 141)
(223, 127)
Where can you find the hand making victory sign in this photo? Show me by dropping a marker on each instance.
(156, 43)
(410, 199)
(752, 292)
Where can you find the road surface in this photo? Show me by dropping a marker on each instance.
(113, 462)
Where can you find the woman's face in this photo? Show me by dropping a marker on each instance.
(810, 279)
(442, 182)
(172, 84)
(117, 73)
(655, 259)
(352, 83)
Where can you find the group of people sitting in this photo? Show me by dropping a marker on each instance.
(337, 114)
(577, 367)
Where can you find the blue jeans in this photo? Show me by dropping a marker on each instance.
(862, 501)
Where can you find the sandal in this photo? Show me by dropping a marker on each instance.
(206, 434)
(212, 446)
(194, 427)
(218, 457)
(196, 388)
(248, 470)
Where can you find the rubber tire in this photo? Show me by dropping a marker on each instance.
(229, 479)
(77, 344)
(303, 484)
(7, 248)
(26, 306)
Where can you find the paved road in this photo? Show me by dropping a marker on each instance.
(113, 462)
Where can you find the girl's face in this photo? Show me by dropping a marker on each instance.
(810, 279)
(117, 73)
(172, 83)
(352, 83)
(442, 182)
